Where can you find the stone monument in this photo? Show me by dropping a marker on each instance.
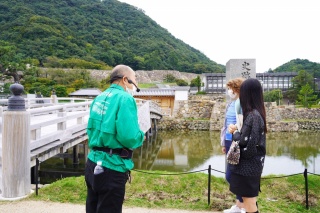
(245, 68)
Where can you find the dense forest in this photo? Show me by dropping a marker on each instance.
(297, 65)
(97, 34)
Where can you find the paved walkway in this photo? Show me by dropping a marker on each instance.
(51, 207)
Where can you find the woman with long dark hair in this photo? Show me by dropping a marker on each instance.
(233, 110)
(245, 176)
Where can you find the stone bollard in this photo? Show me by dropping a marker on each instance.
(54, 99)
(16, 180)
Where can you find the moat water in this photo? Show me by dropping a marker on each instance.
(179, 151)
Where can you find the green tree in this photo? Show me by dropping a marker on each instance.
(302, 79)
(105, 83)
(78, 84)
(169, 78)
(306, 96)
(200, 68)
(291, 95)
(61, 90)
(173, 60)
(53, 61)
(39, 88)
(298, 82)
(8, 65)
(152, 60)
(273, 96)
(7, 52)
(196, 82)
(60, 76)
(6, 89)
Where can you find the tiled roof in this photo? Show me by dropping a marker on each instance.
(181, 88)
(155, 92)
(86, 92)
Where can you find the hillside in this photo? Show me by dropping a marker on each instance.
(150, 76)
(300, 64)
(108, 32)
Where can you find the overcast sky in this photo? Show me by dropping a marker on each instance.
(271, 31)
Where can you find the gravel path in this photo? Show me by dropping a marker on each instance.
(51, 207)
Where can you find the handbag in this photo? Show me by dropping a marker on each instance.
(233, 155)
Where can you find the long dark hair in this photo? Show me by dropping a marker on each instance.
(251, 97)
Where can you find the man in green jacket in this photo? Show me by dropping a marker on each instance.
(113, 133)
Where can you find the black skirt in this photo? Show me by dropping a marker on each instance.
(244, 186)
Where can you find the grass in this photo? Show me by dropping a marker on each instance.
(190, 192)
(154, 85)
(147, 85)
(314, 106)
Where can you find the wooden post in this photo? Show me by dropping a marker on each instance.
(85, 149)
(155, 125)
(75, 155)
(16, 180)
(150, 130)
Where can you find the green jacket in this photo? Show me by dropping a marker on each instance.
(113, 123)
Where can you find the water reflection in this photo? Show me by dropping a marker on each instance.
(287, 153)
(178, 151)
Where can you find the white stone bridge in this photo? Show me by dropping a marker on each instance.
(56, 125)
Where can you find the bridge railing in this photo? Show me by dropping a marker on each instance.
(68, 107)
(55, 105)
(50, 131)
(44, 102)
(154, 107)
(57, 129)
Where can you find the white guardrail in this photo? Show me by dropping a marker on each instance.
(46, 128)
(69, 122)
(154, 107)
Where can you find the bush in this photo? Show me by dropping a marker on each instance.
(169, 78)
(181, 82)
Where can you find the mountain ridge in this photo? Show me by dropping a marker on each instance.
(97, 31)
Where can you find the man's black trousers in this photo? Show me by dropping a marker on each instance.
(105, 191)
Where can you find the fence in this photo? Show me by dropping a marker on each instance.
(305, 174)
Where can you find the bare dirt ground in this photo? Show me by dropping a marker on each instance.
(51, 207)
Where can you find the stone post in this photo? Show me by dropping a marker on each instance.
(54, 97)
(16, 180)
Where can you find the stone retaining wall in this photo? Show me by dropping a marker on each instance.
(309, 125)
(182, 124)
(168, 123)
(207, 112)
(158, 75)
(148, 76)
(288, 113)
(193, 109)
(142, 76)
